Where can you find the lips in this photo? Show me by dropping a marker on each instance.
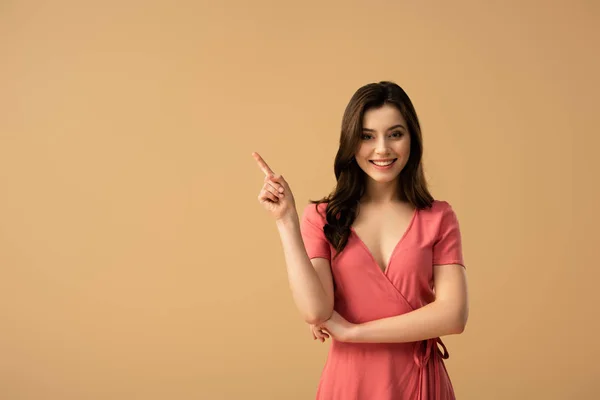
(393, 161)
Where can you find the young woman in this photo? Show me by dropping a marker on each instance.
(377, 265)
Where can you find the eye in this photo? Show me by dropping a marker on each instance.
(398, 134)
(364, 136)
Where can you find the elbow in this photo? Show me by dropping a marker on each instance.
(459, 328)
(314, 320)
(454, 317)
(318, 317)
(460, 322)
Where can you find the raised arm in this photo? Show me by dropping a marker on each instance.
(310, 280)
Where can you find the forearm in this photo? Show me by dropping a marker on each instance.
(433, 320)
(307, 290)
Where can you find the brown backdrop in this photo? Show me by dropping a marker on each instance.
(136, 262)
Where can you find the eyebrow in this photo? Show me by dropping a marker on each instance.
(389, 129)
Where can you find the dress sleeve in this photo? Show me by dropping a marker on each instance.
(447, 249)
(311, 227)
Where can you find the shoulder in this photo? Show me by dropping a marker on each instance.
(315, 213)
(440, 214)
(438, 208)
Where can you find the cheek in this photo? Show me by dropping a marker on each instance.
(403, 148)
(361, 157)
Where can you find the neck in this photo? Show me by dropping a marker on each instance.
(381, 193)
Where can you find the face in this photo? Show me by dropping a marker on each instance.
(385, 137)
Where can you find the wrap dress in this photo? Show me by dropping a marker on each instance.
(363, 292)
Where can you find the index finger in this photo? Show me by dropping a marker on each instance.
(262, 164)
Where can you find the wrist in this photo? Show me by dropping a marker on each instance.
(355, 333)
(287, 220)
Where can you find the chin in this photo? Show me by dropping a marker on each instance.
(383, 178)
(387, 179)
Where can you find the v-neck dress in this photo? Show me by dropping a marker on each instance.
(364, 292)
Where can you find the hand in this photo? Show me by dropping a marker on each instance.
(318, 333)
(339, 329)
(275, 195)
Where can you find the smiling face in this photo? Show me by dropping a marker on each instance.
(385, 137)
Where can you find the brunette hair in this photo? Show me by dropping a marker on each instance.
(344, 201)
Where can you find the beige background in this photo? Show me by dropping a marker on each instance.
(136, 262)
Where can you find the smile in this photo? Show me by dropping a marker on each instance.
(383, 165)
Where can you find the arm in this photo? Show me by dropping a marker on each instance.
(446, 315)
(310, 280)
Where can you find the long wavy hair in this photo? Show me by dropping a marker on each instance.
(344, 201)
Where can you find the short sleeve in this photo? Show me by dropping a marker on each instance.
(311, 227)
(447, 249)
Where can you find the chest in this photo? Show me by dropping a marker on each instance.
(381, 233)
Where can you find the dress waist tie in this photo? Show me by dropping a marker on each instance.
(424, 350)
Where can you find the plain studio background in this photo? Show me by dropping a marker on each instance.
(136, 262)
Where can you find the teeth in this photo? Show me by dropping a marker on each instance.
(382, 164)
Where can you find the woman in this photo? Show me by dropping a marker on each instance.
(376, 265)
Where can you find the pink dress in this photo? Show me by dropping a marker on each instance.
(386, 371)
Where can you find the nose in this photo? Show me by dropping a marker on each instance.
(381, 146)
